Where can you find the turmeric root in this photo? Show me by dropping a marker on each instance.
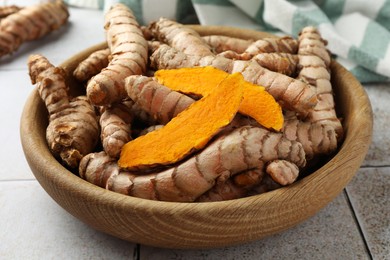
(179, 138)
(242, 149)
(31, 23)
(231, 188)
(257, 103)
(220, 43)
(115, 123)
(314, 61)
(92, 65)
(291, 93)
(73, 129)
(284, 63)
(267, 45)
(129, 51)
(161, 103)
(180, 37)
(8, 9)
(316, 138)
(282, 171)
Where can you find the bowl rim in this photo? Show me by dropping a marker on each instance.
(50, 169)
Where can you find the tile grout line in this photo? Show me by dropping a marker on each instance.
(374, 166)
(360, 230)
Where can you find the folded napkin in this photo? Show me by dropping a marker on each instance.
(357, 31)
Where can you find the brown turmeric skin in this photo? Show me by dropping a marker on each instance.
(178, 138)
(31, 23)
(220, 43)
(314, 60)
(180, 37)
(268, 45)
(198, 174)
(115, 123)
(161, 103)
(92, 65)
(73, 130)
(8, 10)
(129, 51)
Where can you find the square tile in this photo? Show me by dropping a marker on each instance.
(379, 152)
(369, 193)
(33, 226)
(16, 87)
(331, 234)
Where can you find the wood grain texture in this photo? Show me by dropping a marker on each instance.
(202, 225)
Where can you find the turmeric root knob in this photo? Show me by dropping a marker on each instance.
(73, 129)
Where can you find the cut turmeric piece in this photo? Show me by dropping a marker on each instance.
(189, 131)
(257, 103)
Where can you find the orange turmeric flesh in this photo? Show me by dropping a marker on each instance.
(257, 103)
(189, 131)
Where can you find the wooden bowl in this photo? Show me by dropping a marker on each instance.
(202, 225)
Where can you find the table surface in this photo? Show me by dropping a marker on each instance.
(356, 225)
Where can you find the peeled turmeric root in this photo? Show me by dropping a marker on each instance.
(179, 138)
(31, 23)
(129, 51)
(257, 103)
(73, 129)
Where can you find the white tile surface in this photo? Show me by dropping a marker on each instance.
(369, 193)
(379, 152)
(325, 235)
(33, 226)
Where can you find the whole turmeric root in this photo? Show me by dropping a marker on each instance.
(180, 37)
(31, 23)
(129, 51)
(115, 123)
(158, 101)
(242, 149)
(92, 65)
(314, 61)
(73, 129)
(267, 45)
(220, 43)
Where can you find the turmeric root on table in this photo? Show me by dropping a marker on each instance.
(242, 149)
(92, 65)
(73, 130)
(257, 103)
(31, 23)
(189, 131)
(129, 51)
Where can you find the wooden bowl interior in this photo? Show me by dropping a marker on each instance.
(201, 225)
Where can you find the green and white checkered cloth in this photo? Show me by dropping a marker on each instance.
(357, 31)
